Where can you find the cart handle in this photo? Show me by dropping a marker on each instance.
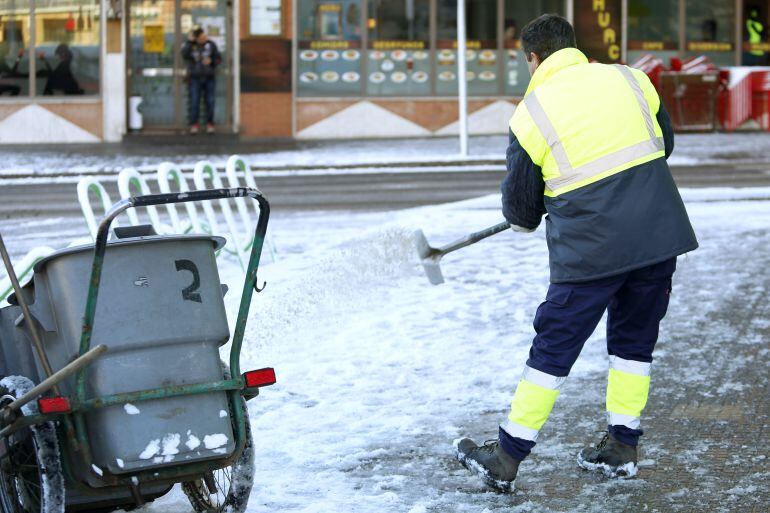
(100, 248)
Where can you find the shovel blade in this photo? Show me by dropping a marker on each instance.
(433, 271)
(429, 257)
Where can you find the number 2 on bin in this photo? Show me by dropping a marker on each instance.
(189, 293)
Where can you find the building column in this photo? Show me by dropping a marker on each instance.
(113, 71)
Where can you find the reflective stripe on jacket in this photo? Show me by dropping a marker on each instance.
(591, 131)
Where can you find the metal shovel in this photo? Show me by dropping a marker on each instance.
(431, 257)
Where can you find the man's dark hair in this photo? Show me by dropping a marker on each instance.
(197, 31)
(546, 35)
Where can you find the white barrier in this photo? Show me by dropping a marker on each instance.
(131, 177)
(166, 173)
(203, 171)
(240, 234)
(23, 269)
(85, 186)
(236, 164)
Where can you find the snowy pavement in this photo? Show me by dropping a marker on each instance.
(144, 153)
(378, 371)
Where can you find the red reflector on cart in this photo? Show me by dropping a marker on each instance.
(53, 405)
(259, 378)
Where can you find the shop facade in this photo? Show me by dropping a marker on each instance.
(97, 70)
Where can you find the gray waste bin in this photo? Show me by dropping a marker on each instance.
(160, 312)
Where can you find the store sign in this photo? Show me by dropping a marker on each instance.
(153, 39)
(330, 45)
(756, 47)
(598, 29)
(709, 46)
(389, 45)
(265, 18)
(652, 46)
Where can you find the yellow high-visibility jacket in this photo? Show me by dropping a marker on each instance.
(591, 132)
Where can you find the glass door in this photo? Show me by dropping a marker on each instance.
(157, 73)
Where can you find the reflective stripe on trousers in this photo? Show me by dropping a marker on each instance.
(532, 403)
(570, 175)
(628, 385)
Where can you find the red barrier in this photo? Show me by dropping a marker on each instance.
(760, 98)
(735, 101)
(653, 66)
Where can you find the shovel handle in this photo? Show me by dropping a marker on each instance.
(474, 238)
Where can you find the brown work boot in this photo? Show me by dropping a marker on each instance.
(611, 457)
(490, 462)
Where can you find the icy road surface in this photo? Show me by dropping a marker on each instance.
(378, 371)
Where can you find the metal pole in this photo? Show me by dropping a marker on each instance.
(462, 83)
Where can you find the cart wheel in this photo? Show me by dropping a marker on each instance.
(31, 479)
(227, 489)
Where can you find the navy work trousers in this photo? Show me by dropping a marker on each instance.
(202, 87)
(636, 302)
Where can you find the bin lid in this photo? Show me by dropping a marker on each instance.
(218, 242)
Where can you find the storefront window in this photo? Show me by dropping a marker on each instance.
(710, 30)
(14, 47)
(329, 40)
(756, 48)
(517, 14)
(65, 51)
(399, 58)
(481, 55)
(67, 47)
(653, 27)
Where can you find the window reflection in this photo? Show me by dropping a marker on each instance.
(481, 55)
(64, 59)
(67, 47)
(710, 30)
(14, 47)
(653, 27)
(399, 58)
(517, 14)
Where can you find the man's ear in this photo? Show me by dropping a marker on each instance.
(534, 58)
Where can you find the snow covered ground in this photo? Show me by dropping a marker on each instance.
(378, 371)
(25, 161)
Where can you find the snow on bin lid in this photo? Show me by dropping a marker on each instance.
(219, 243)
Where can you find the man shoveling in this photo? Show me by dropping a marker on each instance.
(588, 146)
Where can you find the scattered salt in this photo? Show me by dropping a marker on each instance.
(131, 409)
(120, 462)
(97, 470)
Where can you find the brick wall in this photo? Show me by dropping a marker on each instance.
(266, 115)
(266, 107)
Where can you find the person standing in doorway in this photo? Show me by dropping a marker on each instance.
(202, 57)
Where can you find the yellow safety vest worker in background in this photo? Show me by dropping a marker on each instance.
(611, 201)
(755, 28)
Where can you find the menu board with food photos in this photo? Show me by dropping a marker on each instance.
(482, 67)
(329, 68)
(398, 68)
(329, 48)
